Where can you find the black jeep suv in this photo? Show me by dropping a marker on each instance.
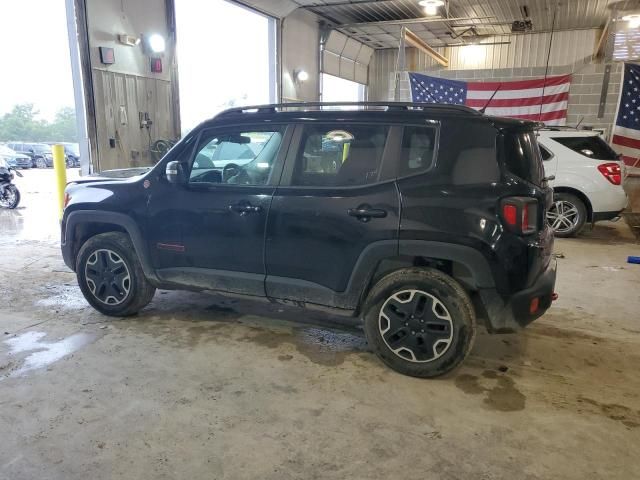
(417, 218)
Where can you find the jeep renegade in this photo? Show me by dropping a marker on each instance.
(417, 218)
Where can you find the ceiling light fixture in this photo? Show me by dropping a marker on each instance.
(431, 6)
(634, 20)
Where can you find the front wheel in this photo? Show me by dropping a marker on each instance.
(420, 322)
(567, 215)
(111, 277)
(11, 197)
(41, 163)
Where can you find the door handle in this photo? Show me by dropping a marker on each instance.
(366, 212)
(245, 208)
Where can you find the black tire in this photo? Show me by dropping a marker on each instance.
(127, 298)
(567, 215)
(11, 199)
(450, 322)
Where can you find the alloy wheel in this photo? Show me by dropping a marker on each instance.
(563, 216)
(416, 326)
(8, 198)
(41, 163)
(107, 277)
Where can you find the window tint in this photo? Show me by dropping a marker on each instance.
(418, 148)
(522, 156)
(236, 157)
(591, 147)
(546, 154)
(340, 155)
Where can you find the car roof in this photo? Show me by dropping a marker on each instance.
(364, 111)
(550, 133)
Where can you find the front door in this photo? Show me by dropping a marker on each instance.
(335, 204)
(215, 224)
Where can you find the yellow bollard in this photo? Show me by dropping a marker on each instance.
(60, 167)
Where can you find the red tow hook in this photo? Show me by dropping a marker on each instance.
(554, 296)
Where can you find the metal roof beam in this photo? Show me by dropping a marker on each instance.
(409, 21)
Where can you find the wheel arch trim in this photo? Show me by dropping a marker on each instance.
(80, 217)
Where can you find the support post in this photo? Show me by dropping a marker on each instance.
(60, 168)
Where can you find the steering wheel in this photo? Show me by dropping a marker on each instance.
(235, 174)
(230, 170)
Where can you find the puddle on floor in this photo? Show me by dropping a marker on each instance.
(44, 353)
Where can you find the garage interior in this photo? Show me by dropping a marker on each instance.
(200, 385)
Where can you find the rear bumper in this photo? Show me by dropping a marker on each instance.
(505, 316)
(600, 216)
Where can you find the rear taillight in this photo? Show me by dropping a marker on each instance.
(611, 172)
(520, 214)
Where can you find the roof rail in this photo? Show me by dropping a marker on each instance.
(272, 108)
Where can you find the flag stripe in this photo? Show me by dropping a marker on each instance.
(530, 110)
(517, 102)
(520, 84)
(625, 141)
(511, 94)
(544, 117)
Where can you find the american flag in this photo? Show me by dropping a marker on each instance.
(543, 100)
(626, 131)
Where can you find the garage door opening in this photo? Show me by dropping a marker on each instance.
(335, 89)
(226, 56)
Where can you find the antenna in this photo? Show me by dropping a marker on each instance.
(482, 110)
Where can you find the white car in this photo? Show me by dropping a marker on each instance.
(588, 179)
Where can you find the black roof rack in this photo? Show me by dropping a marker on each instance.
(273, 108)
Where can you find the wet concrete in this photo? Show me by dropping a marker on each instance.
(205, 386)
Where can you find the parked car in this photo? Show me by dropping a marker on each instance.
(588, 179)
(387, 213)
(71, 153)
(40, 153)
(14, 159)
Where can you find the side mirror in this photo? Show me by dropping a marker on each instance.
(174, 173)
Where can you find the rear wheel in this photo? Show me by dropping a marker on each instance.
(11, 197)
(111, 277)
(420, 322)
(41, 163)
(567, 215)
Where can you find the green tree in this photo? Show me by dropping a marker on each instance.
(21, 123)
(63, 128)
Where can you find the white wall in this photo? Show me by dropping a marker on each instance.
(300, 50)
(127, 87)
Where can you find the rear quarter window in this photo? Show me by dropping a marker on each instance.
(593, 147)
(521, 156)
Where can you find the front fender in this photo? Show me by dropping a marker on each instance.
(77, 218)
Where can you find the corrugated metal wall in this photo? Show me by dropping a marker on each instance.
(530, 50)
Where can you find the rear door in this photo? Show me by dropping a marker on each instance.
(336, 202)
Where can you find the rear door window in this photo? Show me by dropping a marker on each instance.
(522, 157)
(593, 147)
(340, 155)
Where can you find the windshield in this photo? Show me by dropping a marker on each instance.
(38, 148)
(591, 147)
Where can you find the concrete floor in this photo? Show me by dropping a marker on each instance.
(198, 386)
